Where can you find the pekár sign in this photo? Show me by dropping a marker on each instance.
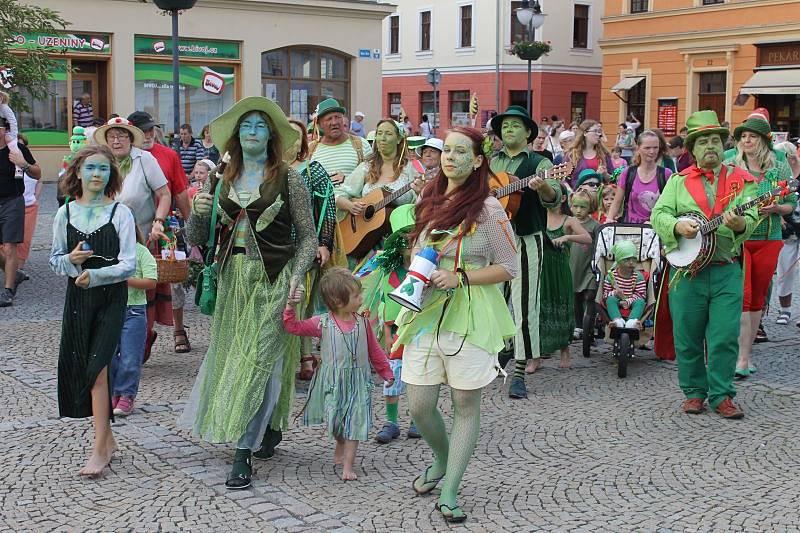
(778, 55)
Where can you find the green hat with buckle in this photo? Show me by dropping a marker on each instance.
(519, 112)
(222, 128)
(329, 105)
(702, 123)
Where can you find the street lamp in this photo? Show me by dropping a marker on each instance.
(174, 7)
(532, 18)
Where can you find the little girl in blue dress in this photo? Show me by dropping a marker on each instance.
(340, 394)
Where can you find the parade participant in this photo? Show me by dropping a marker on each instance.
(266, 246)
(210, 150)
(556, 292)
(790, 253)
(756, 155)
(565, 141)
(588, 151)
(626, 142)
(323, 209)
(624, 288)
(517, 130)
(584, 284)
(538, 145)
(641, 183)
(430, 154)
(708, 304)
(607, 193)
(616, 158)
(12, 132)
(664, 158)
(455, 337)
(340, 395)
(202, 170)
(190, 149)
(337, 152)
(387, 167)
(94, 244)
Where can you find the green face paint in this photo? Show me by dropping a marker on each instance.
(514, 133)
(708, 150)
(386, 140)
(458, 161)
(95, 173)
(254, 134)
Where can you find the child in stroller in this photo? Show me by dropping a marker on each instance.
(625, 288)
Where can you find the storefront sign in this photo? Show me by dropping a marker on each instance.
(668, 116)
(214, 80)
(162, 46)
(774, 55)
(62, 42)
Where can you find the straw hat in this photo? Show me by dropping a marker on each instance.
(120, 123)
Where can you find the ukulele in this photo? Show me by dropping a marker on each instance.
(504, 186)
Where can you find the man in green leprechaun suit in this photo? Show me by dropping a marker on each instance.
(707, 304)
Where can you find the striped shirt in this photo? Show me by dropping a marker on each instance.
(83, 115)
(341, 157)
(634, 288)
(190, 154)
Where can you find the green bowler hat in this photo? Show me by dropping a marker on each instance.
(519, 112)
(222, 127)
(329, 105)
(702, 123)
(415, 142)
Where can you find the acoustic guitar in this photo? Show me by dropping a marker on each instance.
(360, 233)
(504, 186)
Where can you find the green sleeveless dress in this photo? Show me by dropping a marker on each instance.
(556, 315)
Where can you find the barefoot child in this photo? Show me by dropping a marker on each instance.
(584, 282)
(557, 313)
(624, 287)
(94, 244)
(340, 392)
(12, 132)
(126, 366)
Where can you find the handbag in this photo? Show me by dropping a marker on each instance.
(205, 296)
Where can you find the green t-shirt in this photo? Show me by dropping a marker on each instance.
(145, 268)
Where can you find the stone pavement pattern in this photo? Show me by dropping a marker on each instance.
(586, 452)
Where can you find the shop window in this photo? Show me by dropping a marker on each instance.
(395, 105)
(429, 107)
(580, 27)
(465, 40)
(518, 31)
(425, 30)
(636, 102)
(459, 108)
(711, 92)
(639, 6)
(206, 92)
(577, 107)
(394, 34)
(299, 77)
(47, 122)
(519, 98)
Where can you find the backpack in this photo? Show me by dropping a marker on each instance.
(661, 180)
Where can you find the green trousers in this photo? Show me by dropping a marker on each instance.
(612, 306)
(706, 311)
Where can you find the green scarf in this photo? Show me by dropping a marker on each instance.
(125, 165)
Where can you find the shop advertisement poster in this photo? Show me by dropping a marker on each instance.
(162, 46)
(96, 43)
(668, 116)
(159, 76)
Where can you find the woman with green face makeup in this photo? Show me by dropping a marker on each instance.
(94, 245)
(454, 339)
(265, 246)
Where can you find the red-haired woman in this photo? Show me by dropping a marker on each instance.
(456, 336)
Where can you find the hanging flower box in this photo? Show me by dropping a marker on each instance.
(529, 50)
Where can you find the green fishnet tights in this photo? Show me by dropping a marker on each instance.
(451, 456)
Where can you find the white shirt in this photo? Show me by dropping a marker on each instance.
(30, 190)
(138, 187)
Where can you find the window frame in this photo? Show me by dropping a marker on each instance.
(513, 23)
(644, 6)
(394, 38)
(452, 100)
(420, 14)
(460, 33)
(390, 97)
(704, 3)
(572, 106)
(433, 116)
(588, 32)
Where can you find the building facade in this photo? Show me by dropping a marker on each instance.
(665, 59)
(467, 42)
(296, 52)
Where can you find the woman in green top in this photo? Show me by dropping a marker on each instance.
(455, 337)
(755, 154)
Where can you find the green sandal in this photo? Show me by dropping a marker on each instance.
(427, 485)
(241, 471)
(451, 515)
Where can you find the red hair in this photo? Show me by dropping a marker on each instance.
(438, 210)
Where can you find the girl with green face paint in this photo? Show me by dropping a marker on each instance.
(94, 244)
(584, 284)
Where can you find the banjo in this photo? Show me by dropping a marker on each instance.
(695, 253)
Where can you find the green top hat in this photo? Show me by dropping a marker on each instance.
(758, 123)
(329, 105)
(518, 112)
(587, 174)
(623, 250)
(402, 217)
(415, 142)
(222, 127)
(702, 123)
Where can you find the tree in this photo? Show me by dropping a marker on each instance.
(30, 71)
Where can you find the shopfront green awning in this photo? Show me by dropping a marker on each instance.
(627, 84)
(778, 81)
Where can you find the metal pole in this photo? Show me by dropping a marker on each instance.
(497, 37)
(176, 98)
(435, 109)
(528, 95)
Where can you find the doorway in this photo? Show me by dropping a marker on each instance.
(91, 77)
(712, 93)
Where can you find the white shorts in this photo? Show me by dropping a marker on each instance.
(427, 362)
(786, 276)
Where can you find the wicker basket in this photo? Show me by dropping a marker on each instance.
(172, 270)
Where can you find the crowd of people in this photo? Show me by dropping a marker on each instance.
(263, 197)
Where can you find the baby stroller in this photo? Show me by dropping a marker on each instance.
(597, 325)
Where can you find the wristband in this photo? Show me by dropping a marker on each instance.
(159, 220)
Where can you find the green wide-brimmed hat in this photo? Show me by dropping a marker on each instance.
(758, 123)
(624, 250)
(402, 217)
(329, 105)
(519, 112)
(222, 128)
(702, 123)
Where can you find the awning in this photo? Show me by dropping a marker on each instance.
(778, 81)
(626, 84)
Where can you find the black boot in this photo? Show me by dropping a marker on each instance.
(241, 471)
(272, 437)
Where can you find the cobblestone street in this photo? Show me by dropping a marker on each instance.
(586, 452)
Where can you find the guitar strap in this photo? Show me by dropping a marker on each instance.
(722, 198)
